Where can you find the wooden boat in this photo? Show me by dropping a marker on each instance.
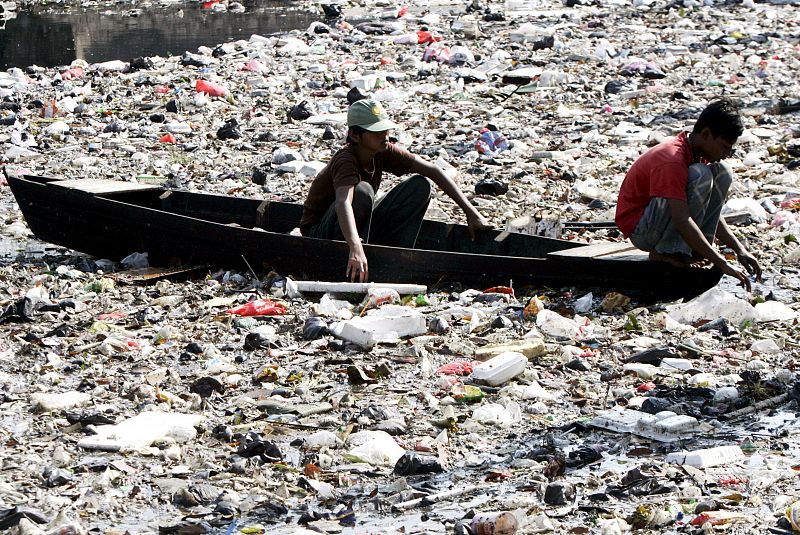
(111, 219)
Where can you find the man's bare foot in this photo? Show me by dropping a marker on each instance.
(698, 260)
(675, 259)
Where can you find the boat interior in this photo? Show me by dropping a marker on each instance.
(283, 217)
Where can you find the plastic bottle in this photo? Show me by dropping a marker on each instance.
(494, 523)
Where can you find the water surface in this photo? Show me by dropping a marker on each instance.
(47, 38)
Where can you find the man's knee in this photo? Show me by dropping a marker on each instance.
(700, 173)
(363, 198)
(363, 193)
(723, 174)
(420, 186)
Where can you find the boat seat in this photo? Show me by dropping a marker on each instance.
(596, 250)
(99, 186)
(635, 255)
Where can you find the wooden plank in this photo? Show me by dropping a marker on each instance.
(594, 250)
(98, 185)
(153, 274)
(628, 256)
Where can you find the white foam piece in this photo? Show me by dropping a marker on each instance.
(59, 401)
(142, 430)
(665, 426)
(371, 330)
(721, 455)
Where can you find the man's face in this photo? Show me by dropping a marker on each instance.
(374, 141)
(716, 148)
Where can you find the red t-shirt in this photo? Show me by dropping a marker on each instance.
(662, 171)
(344, 170)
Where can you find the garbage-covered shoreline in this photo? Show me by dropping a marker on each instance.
(154, 405)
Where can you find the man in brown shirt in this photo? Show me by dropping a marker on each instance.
(341, 201)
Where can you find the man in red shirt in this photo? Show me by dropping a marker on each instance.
(671, 198)
(341, 201)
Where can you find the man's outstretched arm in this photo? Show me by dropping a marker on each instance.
(475, 220)
(693, 236)
(747, 260)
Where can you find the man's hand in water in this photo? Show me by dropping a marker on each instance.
(740, 274)
(749, 262)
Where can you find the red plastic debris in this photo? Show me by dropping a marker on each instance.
(260, 307)
(73, 73)
(167, 138)
(791, 204)
(254, 66)
(112, 316)
(730, 480)
(458, 367)
(646, 387)
(210, 88)
(499, 290)
(424, 37)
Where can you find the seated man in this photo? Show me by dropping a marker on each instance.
(341, 201)
(670, 201)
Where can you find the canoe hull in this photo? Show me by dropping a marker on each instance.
(113, 227)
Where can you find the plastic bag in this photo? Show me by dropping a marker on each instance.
(255, 66)
(260, 307)
(490, 142)
(73, 73)
(436, 52)
(210, 88)
(301, 111)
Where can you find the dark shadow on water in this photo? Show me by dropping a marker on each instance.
(49, 39)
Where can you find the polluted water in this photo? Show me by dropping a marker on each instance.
(149, 399)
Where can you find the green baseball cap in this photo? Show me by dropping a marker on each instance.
(369, 115)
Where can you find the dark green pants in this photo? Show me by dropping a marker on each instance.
(394, 220)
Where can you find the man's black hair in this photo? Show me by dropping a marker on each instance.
(722, 117)
(355, 130)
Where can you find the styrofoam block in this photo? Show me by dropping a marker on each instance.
(365, 83)
(312, 168)
(355, 287)
(667, 429)
(619, 420)
(59, 401)
(501, 368)
(293, 166)
(665, 426)
(530, 347)
(718, 456)
(370, 330)
(676, 363)
(142, 430)
(333, 119)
